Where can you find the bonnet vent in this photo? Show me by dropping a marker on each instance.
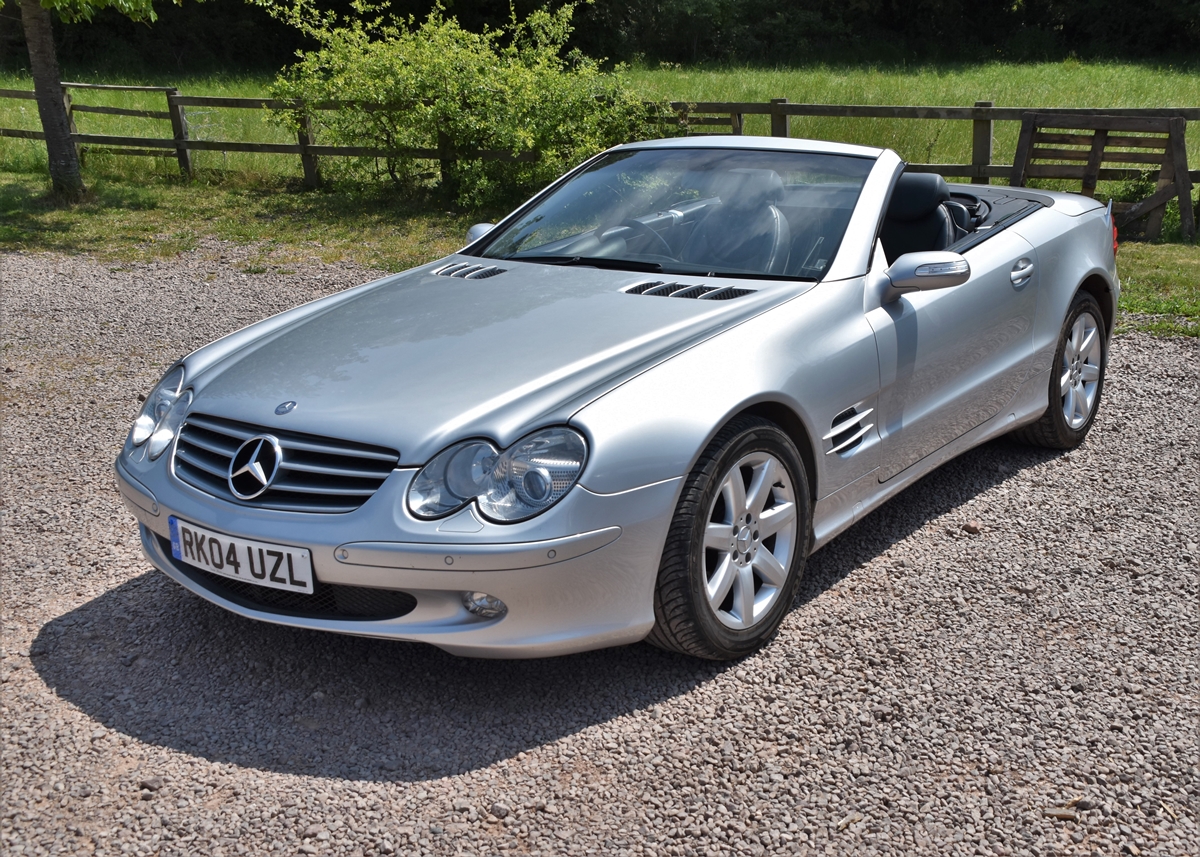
(468, 271)
(662, 289)
(848, 430)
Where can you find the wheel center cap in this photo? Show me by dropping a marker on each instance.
(743, 539)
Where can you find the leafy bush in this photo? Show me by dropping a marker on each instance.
(434, 85)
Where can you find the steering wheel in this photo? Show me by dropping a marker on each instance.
(641, 228)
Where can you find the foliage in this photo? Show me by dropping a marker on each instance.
(229, 35)
(85, 10)
(435, 85)
(792, 33)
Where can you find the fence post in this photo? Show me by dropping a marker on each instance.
(735, 123)
(312, 174)
(71, 121)
(981, 143)
(179, 127)
(780, 122)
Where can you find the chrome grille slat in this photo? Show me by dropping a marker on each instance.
(327, 490)
(209, 446)
(223, 427)
(329, 449)
(324, 470)
(196, 461)
(316, 474)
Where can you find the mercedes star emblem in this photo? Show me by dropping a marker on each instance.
(254, 466)
(285, 408)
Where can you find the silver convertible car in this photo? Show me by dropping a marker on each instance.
(629, 411)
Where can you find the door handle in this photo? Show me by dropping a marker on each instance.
(1022, 270)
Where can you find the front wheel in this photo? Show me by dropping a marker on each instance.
(1077, 382)
(737, 545)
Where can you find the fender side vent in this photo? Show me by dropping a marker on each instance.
(468, 271)
(848, 430)
(661, 289)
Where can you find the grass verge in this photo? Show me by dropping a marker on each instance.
(371, 226)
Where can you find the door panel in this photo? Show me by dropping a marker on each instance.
(951, 359)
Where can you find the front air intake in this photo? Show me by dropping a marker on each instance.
(469, 271)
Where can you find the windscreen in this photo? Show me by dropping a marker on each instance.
(715, 212)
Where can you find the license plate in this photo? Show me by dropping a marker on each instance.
(260, 563)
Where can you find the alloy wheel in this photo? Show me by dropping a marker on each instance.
(749, 539)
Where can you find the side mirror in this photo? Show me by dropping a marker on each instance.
(478, 231)
(924, 272)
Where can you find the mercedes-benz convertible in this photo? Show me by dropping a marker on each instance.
(629, 411)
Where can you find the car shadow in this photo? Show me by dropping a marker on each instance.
(150, 660)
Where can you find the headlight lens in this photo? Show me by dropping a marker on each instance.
(510, 485)
(157, 404)
(164, 433)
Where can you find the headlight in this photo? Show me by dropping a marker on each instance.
(162, 414)
(164, 433)
(510, 485)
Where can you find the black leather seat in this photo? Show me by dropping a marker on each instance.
(916, 219)
(746, 231)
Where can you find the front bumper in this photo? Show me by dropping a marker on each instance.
(579, 577)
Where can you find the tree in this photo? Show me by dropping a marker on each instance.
(47, 82)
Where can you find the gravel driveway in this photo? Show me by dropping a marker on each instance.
(1003, 660)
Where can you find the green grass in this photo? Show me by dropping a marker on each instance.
(1161, 283)
(138, 208)
(119, 222)
(1064, 84)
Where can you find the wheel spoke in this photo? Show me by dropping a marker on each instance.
(1090, 373)
(764, 479)
(743, 596)
(717, 588)
(716, 537)
(1088, 339)
(775, 519)
(1081, 407)
(1078, 332)
(769, 568)
(1069, 403)
(734, 492)
(1064, 383)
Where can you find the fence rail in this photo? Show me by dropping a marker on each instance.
(700, 115)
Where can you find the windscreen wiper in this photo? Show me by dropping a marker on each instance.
(591, 262)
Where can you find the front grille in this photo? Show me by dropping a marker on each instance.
(662, 289)
(328, 600)
(316, 474)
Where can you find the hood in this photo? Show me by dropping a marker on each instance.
(421, 361)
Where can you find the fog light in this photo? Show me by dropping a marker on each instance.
(483, 605)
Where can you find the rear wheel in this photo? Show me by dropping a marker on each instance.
(1077, 381)
(737, 545)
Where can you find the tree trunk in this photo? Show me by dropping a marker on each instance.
(64, 159)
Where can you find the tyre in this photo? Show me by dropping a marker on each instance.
(1077, 382)
(737, 545)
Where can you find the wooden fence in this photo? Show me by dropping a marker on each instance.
(693, 117)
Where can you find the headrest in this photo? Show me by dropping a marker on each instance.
(746, 190)
(917, 195)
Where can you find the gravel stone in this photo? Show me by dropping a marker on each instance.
(934, 691)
